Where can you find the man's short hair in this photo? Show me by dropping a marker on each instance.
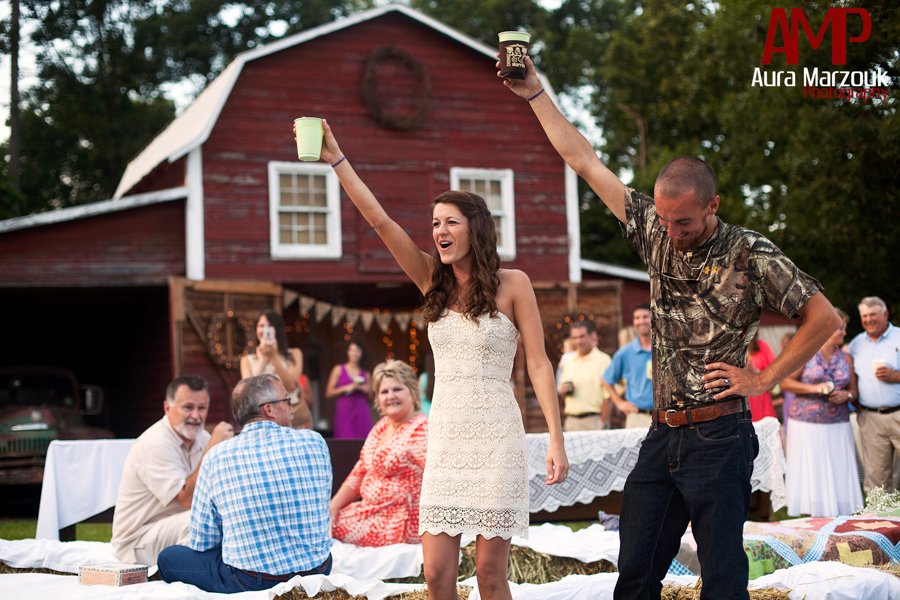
(587, 325)
(871, 301)
(194, 383)
(687, 174)
(642, 306)
(250, 393)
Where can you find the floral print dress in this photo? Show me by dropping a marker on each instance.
(388, 478)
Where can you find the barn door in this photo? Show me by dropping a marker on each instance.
(212, 325)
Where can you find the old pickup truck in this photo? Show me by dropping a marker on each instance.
(39, 405)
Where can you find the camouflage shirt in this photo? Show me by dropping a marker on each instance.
(706, 303)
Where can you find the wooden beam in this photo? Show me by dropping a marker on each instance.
(260, 288)
(176, 321)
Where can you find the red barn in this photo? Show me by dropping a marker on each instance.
(217, 219)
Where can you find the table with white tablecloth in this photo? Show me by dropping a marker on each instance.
(81, 479)
(600, 461)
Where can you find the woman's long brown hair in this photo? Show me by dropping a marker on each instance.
(481, 296)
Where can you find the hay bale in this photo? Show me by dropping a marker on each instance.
(5, 569)
(892, 568)
(528, 566)
(299, 594)
(686, 592)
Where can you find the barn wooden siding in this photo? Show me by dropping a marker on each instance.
(473, 122)
(139, 246)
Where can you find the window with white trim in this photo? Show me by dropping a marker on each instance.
(496, 187)
(304, 211)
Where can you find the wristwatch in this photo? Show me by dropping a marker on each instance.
(849, 396)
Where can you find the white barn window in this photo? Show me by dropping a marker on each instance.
(304, 211)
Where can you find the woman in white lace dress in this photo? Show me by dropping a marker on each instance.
(475, 469)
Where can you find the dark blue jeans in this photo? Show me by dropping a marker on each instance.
(207, 571)
(701, 476)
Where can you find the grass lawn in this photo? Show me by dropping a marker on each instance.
(22, 529)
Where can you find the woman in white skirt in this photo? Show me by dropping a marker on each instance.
(822, 479)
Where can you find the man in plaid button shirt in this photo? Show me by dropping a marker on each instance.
(260, 512)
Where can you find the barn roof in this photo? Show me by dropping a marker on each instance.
(618, 271)
(189, 130)
(93, 209)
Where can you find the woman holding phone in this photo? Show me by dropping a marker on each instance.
(272, 355)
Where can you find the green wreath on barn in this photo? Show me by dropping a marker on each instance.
(370, 89)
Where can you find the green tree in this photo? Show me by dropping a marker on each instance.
(103, 66)
(197, 38)
(817, 176)
(94, 106)
(484, 19)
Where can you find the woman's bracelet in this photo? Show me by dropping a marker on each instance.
(339, 161)
(536, 95)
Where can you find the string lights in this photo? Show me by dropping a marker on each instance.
(413, 344)
(228, 336)
(559, 331)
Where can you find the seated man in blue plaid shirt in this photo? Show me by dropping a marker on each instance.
(260, 511)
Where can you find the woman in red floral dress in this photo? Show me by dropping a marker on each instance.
(378, 503)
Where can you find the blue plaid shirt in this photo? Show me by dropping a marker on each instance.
(263, 496)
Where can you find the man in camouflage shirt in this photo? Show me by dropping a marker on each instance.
(709, 281)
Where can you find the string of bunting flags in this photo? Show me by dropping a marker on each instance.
(319, 310)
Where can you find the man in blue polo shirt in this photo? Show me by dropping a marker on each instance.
(632, 363)
(260, 512)
(876, 360)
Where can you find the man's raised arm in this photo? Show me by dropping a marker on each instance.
(571, 145)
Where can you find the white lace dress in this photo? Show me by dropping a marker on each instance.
(475, 466)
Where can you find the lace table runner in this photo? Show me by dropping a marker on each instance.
(600, 461)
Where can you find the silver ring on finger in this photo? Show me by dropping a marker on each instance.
(727, 383)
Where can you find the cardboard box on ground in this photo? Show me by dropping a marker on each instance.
(116, 574)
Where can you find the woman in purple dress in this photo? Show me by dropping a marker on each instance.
(348, 384)
(822, 479)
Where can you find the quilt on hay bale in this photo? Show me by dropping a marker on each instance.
(858, 541)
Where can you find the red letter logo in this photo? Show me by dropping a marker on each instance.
(790, 33)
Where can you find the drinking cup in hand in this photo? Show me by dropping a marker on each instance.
(513, 50)
(309, 138)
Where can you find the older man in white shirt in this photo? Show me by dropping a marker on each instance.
(157, 487)
(876, 361)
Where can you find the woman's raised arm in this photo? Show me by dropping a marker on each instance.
(416, 264)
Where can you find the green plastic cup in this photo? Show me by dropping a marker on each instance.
(513, 50)
(309, 138)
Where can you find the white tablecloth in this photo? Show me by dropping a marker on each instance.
(600, 461)
(81, 479)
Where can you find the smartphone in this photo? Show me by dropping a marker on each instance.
(268, 334)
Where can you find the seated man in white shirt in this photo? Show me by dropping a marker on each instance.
(157, 487)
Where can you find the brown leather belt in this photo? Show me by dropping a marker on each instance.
(325, 568)
(266, 576)
(885, 410)
(701, 413)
